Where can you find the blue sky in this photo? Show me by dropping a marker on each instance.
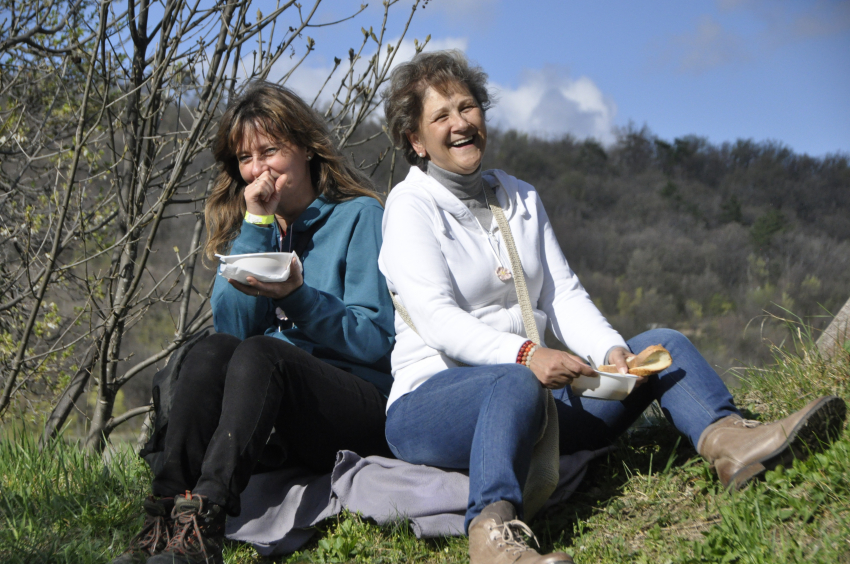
(723, 69)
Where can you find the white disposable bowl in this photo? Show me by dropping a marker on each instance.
(606, 385)
(265, 267)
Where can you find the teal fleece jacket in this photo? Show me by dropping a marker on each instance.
(342, 313)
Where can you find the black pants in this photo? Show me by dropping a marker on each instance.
(230, 395)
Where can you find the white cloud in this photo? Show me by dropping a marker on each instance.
(706, 46)
(785, 20)
(550, 103)
(710, 43)
(306, 80)
(821, 20)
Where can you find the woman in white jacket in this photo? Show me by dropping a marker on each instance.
(469, 385)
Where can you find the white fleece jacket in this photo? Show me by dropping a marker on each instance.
(442, 264)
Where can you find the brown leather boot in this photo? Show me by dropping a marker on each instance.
(740, 449)
(198, 532)
(155, 533)
(496, 537)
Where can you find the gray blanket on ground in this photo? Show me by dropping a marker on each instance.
(279, 509)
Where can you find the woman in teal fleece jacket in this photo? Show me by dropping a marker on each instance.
(342, 313)
(297, 370)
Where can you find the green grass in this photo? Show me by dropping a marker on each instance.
(64, 505)
(653, 500)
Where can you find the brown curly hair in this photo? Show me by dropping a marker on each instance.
(403, 99)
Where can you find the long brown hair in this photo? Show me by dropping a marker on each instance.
(278, 113)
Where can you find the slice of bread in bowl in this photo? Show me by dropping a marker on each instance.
(650, 360)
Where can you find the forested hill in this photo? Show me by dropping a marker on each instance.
(700, 237)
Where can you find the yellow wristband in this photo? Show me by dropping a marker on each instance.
(259, 219)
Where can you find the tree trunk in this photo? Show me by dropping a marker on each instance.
(833, 338)
(99, 434)
(69, 397)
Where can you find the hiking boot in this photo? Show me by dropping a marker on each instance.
(198, 532)
(496, 537)
(155, 533)
(741, 450)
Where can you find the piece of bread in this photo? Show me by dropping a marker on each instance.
(651, 360)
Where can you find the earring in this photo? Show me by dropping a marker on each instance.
(309, 157)
(422, 155)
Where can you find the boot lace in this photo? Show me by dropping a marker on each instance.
(747, 423)
(509, 535)
(193, 539)
(155, 534)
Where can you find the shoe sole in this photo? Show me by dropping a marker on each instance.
(813, 433)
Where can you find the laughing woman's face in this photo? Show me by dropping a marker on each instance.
(452, 132)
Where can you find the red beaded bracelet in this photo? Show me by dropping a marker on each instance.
(530, 354)
(522, 355)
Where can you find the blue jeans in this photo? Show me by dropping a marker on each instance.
(691, 394)
(485, 418)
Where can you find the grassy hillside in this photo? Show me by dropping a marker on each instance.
(654, 500)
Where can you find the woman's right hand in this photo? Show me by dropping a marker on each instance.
(263, 194)
(556, 369)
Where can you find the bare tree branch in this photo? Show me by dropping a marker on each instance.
(107, 116)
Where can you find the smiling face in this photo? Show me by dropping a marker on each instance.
(452, 132)
(259, 153)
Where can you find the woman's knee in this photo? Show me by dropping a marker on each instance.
(518, 385)
(670, 339)
(206, 363)
(220, 340)
(261, 357)
(688, 362)
(213, 349)
(253, 347)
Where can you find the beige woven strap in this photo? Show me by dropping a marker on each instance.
(516, 271)
(402, 312)
(543, 473)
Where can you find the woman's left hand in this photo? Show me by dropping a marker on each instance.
(273, 290)
(618, 357)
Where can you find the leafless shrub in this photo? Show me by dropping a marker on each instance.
(105, 118)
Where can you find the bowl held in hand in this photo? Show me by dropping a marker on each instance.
(611, 385)
(265, 267)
